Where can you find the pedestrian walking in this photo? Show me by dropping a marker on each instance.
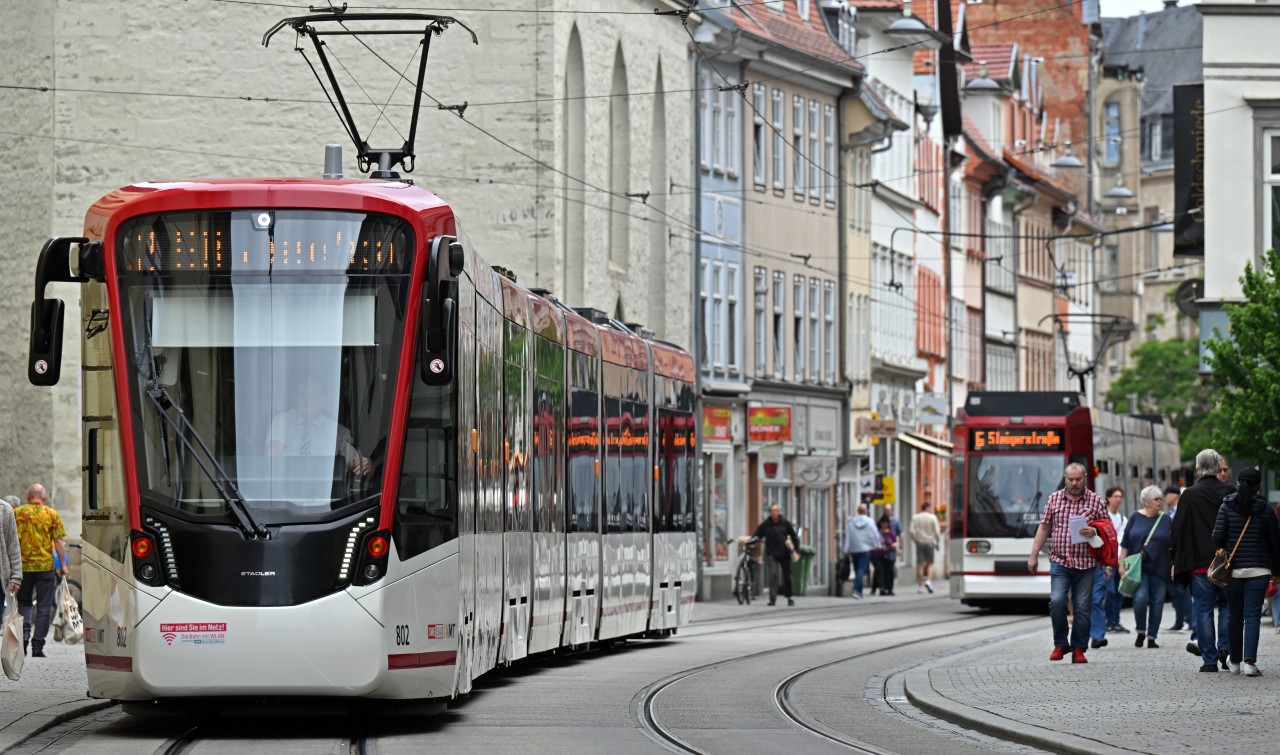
(885, 559)
(1065, 526)
(1148, 532)
(1115, 601)
(1192, 551)
(1179, 596)
(780, 540)
(1247, 529)
(860, 538)
(10, 551)
(925, 533)
(40, 533)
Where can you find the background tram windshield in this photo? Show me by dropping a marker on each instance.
(1007, 492)
(276, 333)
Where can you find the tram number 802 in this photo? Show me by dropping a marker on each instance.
(402, 634)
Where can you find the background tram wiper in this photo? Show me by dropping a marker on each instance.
(252, 529)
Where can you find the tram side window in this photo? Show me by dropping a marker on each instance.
(426, 503)
(617, 494)
(489, 350)
(584, 444)
(516, 427)
(641, 476)
(548, 438)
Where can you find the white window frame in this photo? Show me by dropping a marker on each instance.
(731, 132)
(779, 324)
(797, 145)
(798, 327)
(816, 168)
(706, 315)
(731, 323)
(779, 142)
(704, 117)
(717, 131)
(1270, 180)
(760, 296)
(716, 326)
(829, 151)
(815, 343)
(760, 157)
(829, 332)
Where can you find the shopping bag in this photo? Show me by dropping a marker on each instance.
(1132, 578)
(59, 622)
(73, 625)
(11, 652)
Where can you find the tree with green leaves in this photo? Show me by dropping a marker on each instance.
(1165, 379)
(1246, 369)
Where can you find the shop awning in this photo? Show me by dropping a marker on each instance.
(916, 441)
(939, 442)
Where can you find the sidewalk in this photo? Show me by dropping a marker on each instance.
(52, 690)
(1124, 700)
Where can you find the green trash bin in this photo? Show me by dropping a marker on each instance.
(800, 570)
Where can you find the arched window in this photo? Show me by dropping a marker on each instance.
(574, 148)
(619, 165)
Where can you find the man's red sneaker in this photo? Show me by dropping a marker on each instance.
(1059, 652)
(1077, 656)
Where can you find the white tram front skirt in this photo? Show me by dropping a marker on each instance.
(327, 647)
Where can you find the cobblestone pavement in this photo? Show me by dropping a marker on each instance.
(1125, 699)
(50, 691)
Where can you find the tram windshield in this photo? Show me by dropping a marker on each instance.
(261, 351)
(1008, 492)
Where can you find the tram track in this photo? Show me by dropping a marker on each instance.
(645, 702)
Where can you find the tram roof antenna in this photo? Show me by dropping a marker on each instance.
(378, 161)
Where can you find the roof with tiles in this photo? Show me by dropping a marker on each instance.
(1029, 169)
(1165, 45)
(977, 141)
(998, 57)
(785, 27)
(874, 5)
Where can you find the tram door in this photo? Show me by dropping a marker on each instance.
(466, 378)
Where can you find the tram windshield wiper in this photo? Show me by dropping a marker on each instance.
(252, 528)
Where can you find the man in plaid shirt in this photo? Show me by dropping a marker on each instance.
(1071, 566)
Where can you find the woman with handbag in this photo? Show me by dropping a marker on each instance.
(1146, 537)
(1248, 540)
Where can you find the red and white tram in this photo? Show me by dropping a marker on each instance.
(329, 452)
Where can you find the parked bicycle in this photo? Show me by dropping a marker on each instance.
(744, 582)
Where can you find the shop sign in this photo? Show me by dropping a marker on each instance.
(883, 428)
(769, 424)
(771, 458)
(931, 409)
(888, 494)
(814, 471)
(717, 423)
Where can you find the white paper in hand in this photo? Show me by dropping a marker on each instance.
(1075, 524)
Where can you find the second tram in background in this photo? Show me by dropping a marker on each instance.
(1010, 452)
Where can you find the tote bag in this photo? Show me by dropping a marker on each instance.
(11, 652)
(73, 625)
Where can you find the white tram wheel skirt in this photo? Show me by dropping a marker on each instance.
(327, 647)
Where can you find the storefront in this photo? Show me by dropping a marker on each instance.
(723, 478)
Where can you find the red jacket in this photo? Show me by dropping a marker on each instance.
(1109, 553)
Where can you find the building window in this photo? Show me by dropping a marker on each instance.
(757, 135)
(760, 292)
(829, 150)
(1271, 148)
(1002, 367)
(802, 6)
(1111, 133)
(1107, 280)
(779, 325)
(779, 143)
(704, 117)
(815, 365)
(732, 133)
(829, 332)
(716, 323)
(815, 156)
(797, 329)
(860, 170)
(717, 129)
(706, 315)
(731, 317)
(797, 145)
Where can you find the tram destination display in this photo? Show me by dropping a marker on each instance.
(1016, 439)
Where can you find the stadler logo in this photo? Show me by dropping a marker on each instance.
(257, 574)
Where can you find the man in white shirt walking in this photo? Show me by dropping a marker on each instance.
(925, 532)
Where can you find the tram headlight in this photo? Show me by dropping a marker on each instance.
(372, 558)
(370, 572)
(147, 572)
(146, 564)
(977, 546)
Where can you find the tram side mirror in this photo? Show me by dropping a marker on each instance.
(44, 361)
(439, 310)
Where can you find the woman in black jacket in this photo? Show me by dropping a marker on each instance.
(1246, 526)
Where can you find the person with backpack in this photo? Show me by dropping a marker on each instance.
(1148, 533)
(1192, 549)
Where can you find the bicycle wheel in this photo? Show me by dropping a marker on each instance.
(741, 585)
(745, 570)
